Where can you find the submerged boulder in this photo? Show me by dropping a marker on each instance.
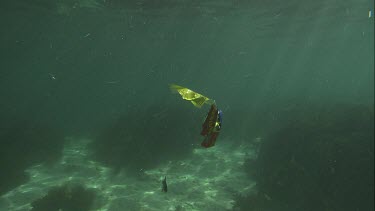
(321, 158)
(67, 197)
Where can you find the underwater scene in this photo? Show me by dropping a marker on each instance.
(187, 105)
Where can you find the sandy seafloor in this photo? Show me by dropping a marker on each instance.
(207, 180)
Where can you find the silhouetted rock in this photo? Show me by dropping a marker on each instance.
(142, 139)
(67, 197)
(23, 145)
(321, 158)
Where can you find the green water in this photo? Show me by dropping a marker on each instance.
(99, 71)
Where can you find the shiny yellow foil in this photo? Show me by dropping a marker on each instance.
(197, 99)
